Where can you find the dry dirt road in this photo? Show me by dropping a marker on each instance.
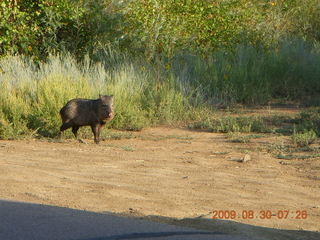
(170, 173)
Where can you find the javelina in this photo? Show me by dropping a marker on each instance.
(87, 112)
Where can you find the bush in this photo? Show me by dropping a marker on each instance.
(32, 96)
(304, 139)
(38, 28)
(251, 75)
(169, 26)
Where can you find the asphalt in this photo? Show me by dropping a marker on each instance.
(26, 221)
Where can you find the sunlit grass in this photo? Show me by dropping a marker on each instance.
(182, 90)
(32, 96)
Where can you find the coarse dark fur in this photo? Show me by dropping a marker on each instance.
(87, 112)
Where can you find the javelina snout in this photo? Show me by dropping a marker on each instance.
(87, 112)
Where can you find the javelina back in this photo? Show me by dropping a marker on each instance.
(87, 112)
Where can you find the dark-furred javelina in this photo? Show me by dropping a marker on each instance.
(87, 112)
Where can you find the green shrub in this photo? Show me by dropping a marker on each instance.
(183, 89)
(232, 125)
(304, 139)
(37, 28)
(169, 26)
(251, 75)
(31, 96)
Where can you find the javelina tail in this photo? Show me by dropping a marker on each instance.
(63, 114)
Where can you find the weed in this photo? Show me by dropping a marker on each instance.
(123, 147)
(304, 139)
(160, 138)
(118, 135)
(309, 120)
(127, 148)
(31, 96)
(236, 137)
(279, 148)
(295, 156)
(219, 153)
(147, 94)
(232, 124)
(205, 124)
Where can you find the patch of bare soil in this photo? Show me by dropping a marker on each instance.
(168, 172)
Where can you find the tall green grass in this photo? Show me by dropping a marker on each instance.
(180, 89)
(31, 96)
(252, 75)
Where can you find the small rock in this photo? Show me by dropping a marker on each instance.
(246, 158)
(133, 211)
(236, 159)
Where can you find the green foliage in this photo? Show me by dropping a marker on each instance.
(36, 28)
(31, 96)
(251, 75)
(31, 27)
(240, 124)
(296, 156)
(233, 125)
(13, 112)
(167, 26)
(236, 137)
(284, 125)
(309, 120)
(154, 28)
(170, 91)
(303, 139)
(305, 20)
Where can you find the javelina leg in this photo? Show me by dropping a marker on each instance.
(75, 131)
(63, 127)
(96, 132)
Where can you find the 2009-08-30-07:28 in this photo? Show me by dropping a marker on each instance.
(262, 214)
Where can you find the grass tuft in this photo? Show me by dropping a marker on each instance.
(304, 139)
(183, 89)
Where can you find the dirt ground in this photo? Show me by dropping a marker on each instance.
(167, 172)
